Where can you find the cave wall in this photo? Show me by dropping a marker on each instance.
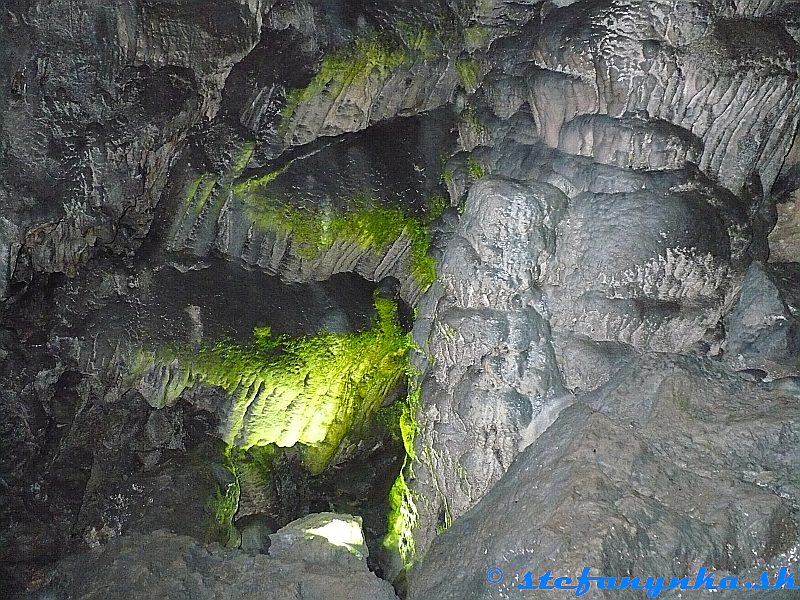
(606, 188)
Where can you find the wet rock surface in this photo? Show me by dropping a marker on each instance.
(605, 361)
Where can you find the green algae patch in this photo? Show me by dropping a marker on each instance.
(202, 187)
(308, 392)
(403, 515)
(476, 36)
(468, 71)
(448, 177)
(403, 518)
(260, 181)
(420, 39)
(475, 169)
(313, 229)
(224, 504)
(379, 54)
(369, 54)
(199, 192)
(362, 220)
(241, 161)
(435, 205)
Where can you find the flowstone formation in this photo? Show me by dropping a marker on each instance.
(416, 288)
(640, 116)
(657, 162)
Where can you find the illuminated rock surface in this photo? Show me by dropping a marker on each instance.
(308, 392)
(319, 530)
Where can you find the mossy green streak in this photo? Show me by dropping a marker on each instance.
(476, 170)
(380, 54)
(403, 515)
(371, 224)
(368, 55)
(310, 391)
(469, 71)
(361, 219)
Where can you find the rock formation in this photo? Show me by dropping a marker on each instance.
(515, 283)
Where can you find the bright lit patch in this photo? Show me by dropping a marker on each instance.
(343, 533)
(310, 391)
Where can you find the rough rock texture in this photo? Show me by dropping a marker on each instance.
(221, 214)
(608, 360)
(784, 240)
(494, 366)
(605, 487)
(97, 101)
(326, 533)
(665, 125)
(164, 565)
(762, 327)
(88, 459)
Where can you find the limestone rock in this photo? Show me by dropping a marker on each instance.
(488, 365)
(784, 240)
(762, 327)
(605, 354)
(320, 536)
(163, 565)
(645, 477)
(102, 98)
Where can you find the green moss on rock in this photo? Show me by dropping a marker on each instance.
(369, 54)
(403, 514)
(403, 518)
(199, 192)
(379, 54)
(476, 36)
(468, 71)
(310, 391)
(419, 38)
(476, 170)
(363, 220)
(224, 504)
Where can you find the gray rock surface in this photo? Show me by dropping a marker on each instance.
(644, 477)
(664, 128)
(319, 537)
(97, 101)
(762, 327)
(173, 567)
(784, 240)
(492, 367)
(608, 363)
